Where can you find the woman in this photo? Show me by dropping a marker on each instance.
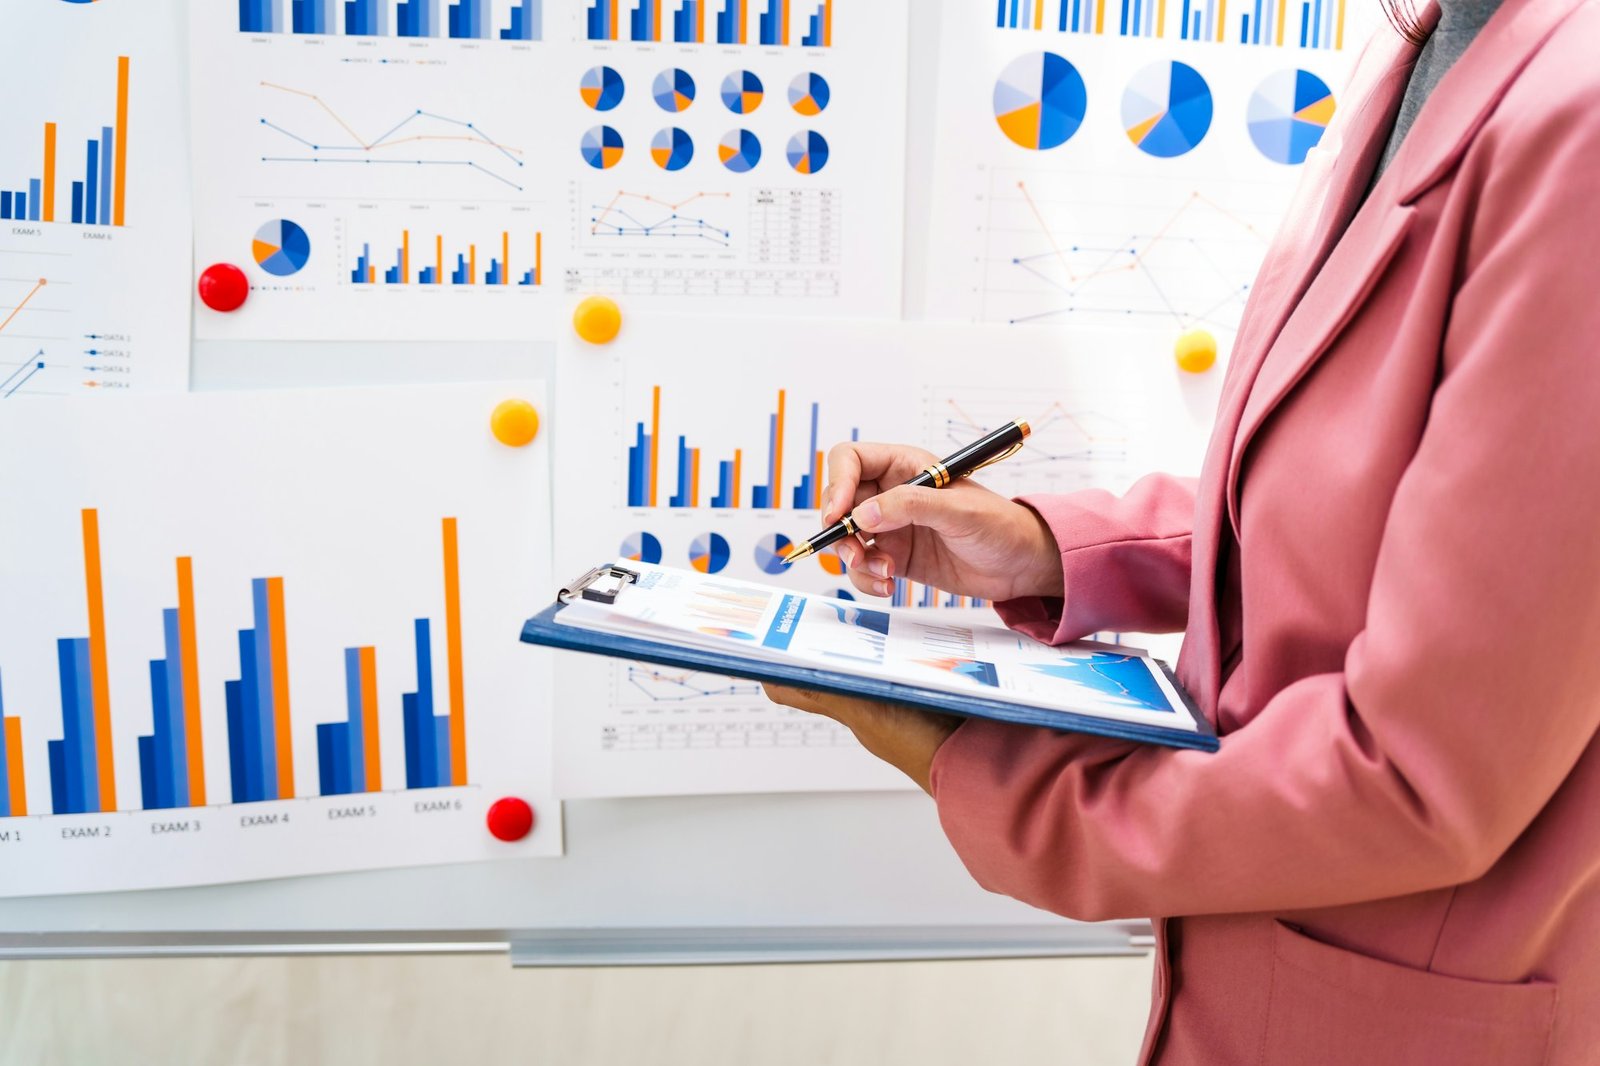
(1389, 578)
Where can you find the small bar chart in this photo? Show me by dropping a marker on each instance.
(455, 264)
(52, 194)
(768, 23)
(13, 779)
(172, 769)
(467, 20)
(82, 773)
(1312, 24)
(645, 484)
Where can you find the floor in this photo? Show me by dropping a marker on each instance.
(392, 1011)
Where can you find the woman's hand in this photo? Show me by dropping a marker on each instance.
(962, 538)
(904, 737)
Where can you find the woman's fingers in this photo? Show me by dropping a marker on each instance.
(853, 465)
(907, 505)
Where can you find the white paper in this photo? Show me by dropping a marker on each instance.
(1108, 229)
(383, 154)
(1103, 407)
(348, 497)
(104, 306)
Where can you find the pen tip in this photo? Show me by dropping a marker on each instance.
(797, 552)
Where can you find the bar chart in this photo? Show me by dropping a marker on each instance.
(459, 267)
(255, 655)
(1315, 24)
(767, 23)
(724, 486)
(472, 20)
(53, 193)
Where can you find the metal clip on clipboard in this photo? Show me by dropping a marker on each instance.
(602, 584)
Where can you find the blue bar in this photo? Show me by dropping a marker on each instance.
(238, 764)
(1316, 25)
(1125, 4)
(177, 726)
(727, 22)
(638, 478)
(266, 704)
(257, 16)
(1244, 29)
(363, 262)
(458, 276)
(441, 751)
(493, 277)
(247, 740)
(466, 19)
(1255, 25)
(107, 143)
(91, 183)
(5, 205)
(34, 199)
(773, 488)
(1013, 14)
(599, 21)
(813, 37)
(527, 22)
(1196, 34)
(681, 497)
(758, 496)
(1185, 19)
(1027, 14)
(1211, 20)
(1305, 23)
(418, 18)
(77, 201)
(771, 32)
(422, 735)
(724, 496)
(74, 773)
(1064, 12)
(155, 756)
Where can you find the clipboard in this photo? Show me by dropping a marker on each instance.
(606, 583)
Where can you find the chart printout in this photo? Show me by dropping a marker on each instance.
(311, 666)
(1124, 163)
(737, 153)
(94, 213)
(703, 447)
(379, 171)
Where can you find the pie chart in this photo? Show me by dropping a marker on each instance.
(1040, 100)
(740, 151)
(673, 90)
(281, 248)
(641, 548)
(709, 553)
(770, 552)
(742, 92)
(601, 88)
(671, 148)
(602, 147)
(1288, 114)
(808, 152)
(1167, 109)
(809, 93)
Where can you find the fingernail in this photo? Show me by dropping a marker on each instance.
(880, 588)
(868, 514)
(878, 567)
(850, 554)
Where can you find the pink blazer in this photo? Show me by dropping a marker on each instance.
(1389, 574)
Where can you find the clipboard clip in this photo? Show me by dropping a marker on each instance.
(602, 584)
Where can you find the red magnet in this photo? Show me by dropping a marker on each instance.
(510, 819)
(223, 287)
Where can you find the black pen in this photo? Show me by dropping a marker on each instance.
(990, 448)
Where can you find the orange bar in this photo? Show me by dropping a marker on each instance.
(827, 23)
(655, 440)
(743, 21)
(538, 258)
(119, 178)
(99, 681)
(1038, 14)
(783, 26)
(694, 477)
(472, 264)
(655, 19)
(1338, 40)
(1222, 19)
(1161, 19)
(372, 275)
(816, 482)
(438, 260)
(1100, 16)
(700, 21)
(18, 794)
(615, 29)
(280, 687)
(452, 625)
(1281, 5)
(405, 257)
(47, 208)
(777, 457)
(189, 662)
(738, 458)
(369, 718)
(505, 258)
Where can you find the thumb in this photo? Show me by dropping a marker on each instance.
(909, 505)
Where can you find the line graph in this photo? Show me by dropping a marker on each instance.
(683, 686)
(22, 303)
(19, 377)
(1176, 254)
(1084, 442)
(641, 215)
(400, 145)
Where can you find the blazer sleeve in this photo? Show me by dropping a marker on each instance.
(1474, 687)
(1124, 562)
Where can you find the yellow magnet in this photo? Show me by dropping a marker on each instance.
(514, 423)
(597, 319)
(1196, 351)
